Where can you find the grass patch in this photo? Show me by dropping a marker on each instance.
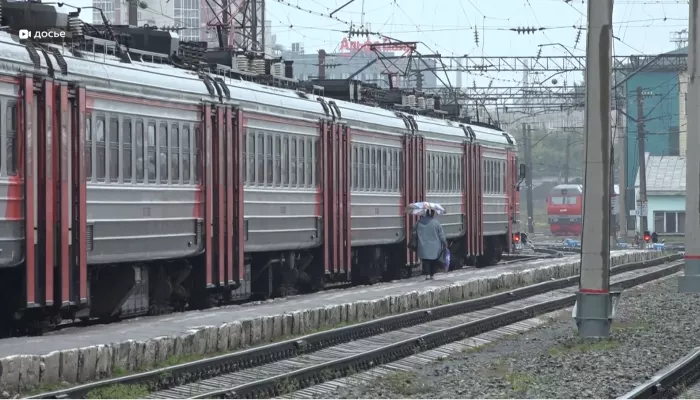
(520, 382)
(630, 325)
(404, 383)
(584, 345)
(119, 392)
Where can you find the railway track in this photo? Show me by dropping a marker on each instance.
(282, 367)
(507, 260)
(678, 380)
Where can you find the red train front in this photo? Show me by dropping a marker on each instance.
(565, 209)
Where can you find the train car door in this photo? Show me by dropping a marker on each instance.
(225, 262)
(335, 156)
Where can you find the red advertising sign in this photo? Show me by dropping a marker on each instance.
(350, 47)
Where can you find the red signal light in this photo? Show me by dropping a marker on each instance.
(516, 237)
(647, 237)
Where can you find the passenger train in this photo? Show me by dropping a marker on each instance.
(133, 187)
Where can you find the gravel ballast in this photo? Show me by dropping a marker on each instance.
(655, 325)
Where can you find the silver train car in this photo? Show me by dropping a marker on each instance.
(137, 187)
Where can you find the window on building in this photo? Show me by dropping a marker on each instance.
(670, 222)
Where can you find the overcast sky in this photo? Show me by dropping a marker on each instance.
(448, 26)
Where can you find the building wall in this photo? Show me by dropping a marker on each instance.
(661, 112)
(660, 203)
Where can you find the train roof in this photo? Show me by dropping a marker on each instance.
(578, 189)
(105, 72)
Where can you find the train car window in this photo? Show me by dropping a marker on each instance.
(278, 159)
(389, 170)
(268, 160)
(448, 174)
(138, 148)
(174, 154)
(126, 150)
(151, 152)
(185, 137)
(317, 159)
(285, 161)
(259, 159)
(400, 168)
(11, 138)
(197, 154)
(301, 163)
(486, 174)
(88, 148)
(244, 164)
(397, 169)
(353, 185)
(113, 139)
(454, 171)
(309, 163)
(385, 166)
(251, 158)
(100, 144)
(293, 162)
(432, 176)
(372, 169)
(163, 152)
(360, 168)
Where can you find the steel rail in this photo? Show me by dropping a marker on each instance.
(337, 368)
(670, 382)
(168, 377)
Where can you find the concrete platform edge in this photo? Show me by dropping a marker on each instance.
(22, 373)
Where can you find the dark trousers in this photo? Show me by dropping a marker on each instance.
(431, 267)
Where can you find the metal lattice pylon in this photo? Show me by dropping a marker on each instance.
(242, 21)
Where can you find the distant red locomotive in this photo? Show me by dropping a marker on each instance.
(565, 209)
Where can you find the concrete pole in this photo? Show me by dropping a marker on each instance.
(690, 283)
(594, 304)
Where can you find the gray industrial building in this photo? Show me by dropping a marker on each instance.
(342, 65)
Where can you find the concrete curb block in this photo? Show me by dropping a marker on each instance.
(21, 373)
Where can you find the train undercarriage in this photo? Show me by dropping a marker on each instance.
(162, 287)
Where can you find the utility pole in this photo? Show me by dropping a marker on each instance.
(527, 144)
(568, 156)
(641, 139)
(690, 282)
(622, 168)
(593, 311)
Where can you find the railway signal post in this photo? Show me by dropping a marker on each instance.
(593, 311)
(690, 282)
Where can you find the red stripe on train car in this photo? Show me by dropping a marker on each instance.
(27, 171)
(325, 184)
(208, 196)
(82, 198)
(240, 192)
(348, 198)
(64, 204)
(48, 134)
(231, 137)
(220, 175)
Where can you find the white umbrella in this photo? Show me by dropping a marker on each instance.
(421, 207)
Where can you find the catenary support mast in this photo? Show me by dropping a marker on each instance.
(594, 303)
(690, 282)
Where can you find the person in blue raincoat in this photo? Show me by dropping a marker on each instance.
(431, 243)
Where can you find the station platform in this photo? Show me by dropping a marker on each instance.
(81, 354)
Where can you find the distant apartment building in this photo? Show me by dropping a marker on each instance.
(192, 15)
